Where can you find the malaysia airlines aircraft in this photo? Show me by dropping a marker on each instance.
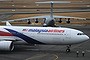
(11, 35)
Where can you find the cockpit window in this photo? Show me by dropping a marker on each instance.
(80, 34)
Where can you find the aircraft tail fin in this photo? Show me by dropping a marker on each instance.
(51, 3)
(8, 24)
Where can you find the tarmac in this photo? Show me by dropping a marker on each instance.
(50, 52)
(46, 52)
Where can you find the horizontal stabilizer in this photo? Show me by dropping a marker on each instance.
(57, 2)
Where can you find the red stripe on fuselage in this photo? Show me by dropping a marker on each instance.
(5, 34)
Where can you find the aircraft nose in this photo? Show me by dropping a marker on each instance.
(86, 37)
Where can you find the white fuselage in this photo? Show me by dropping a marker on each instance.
(42, 35)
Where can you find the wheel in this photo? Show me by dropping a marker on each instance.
(67, 50)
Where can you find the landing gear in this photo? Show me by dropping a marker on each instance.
(68, 48)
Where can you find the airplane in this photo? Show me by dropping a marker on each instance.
(49, 20)
(12, 35)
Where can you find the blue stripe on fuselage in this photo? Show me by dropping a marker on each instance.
(24, 37)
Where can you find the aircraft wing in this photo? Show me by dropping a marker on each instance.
(46, 16)
(47, 21)
(69, 17)
(21, 19)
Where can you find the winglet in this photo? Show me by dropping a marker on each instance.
(8, 24)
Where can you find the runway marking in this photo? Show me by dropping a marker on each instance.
(55, 56)
(33, 49)
(88, 50)
(42, 55)
(37, 56)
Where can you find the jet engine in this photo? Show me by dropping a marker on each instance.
(6, 45)
(44, 25)
(60, 21)
(36, 21)
(29, 22)
(68, 21)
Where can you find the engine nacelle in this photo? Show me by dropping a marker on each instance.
(6, 45)
(36, 21)
(44, 25)
(68, 21)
